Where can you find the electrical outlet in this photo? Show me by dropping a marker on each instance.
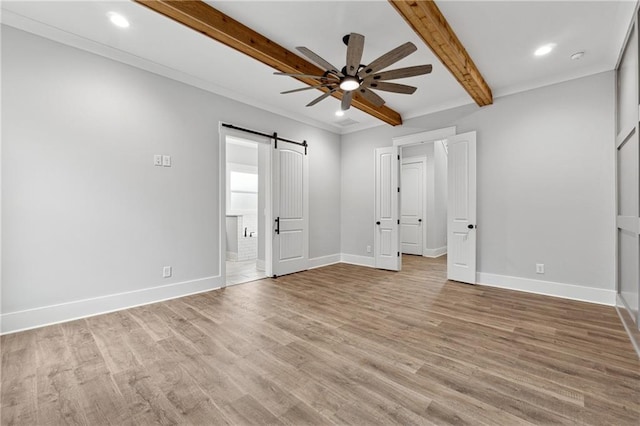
(539, 268)
(166, 272)
(157, 160)
(166, 160)
(368, 249)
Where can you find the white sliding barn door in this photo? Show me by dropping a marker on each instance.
(461, 211)
(411, 207)
(387, 241)
(290, 208)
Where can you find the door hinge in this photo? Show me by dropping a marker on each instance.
(275, 140)
(398, 221)
(398, 189)
(398, 254)
(398, 157)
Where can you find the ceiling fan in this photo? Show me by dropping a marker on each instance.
(355, 76)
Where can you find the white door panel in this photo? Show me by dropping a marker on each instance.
(387, 241)
(411, 207)
(290, 243)
(461, 213)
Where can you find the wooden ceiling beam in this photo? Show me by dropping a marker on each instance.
(430, 24)
(211, 22)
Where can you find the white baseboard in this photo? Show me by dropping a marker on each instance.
(548, 288)
(318, 262)
(437, 252)
(358, 260)
(39, 317)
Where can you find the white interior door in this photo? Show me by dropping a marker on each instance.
(387, 238)
(290, 208)
(412, 206)
(461, 212)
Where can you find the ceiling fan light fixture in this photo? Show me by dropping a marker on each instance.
(349, 83)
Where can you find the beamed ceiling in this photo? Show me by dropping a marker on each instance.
(478, 49)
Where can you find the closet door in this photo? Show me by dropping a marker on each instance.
(628, 180)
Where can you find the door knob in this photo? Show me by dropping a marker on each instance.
(419, 220)
(378, 223)
(471, 226)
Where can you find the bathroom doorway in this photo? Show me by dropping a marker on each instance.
(246, 180)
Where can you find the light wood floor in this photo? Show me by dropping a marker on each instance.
(342, 344)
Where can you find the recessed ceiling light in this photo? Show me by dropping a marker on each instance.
(545, 49)
(577, 56)
(339, 113)
(118, 20)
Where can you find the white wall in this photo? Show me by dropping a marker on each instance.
(545, 179)
(240, 154)
(418, 150)
(88, 221)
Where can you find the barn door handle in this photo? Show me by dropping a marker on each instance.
(278, 225)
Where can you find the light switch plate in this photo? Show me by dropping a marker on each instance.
(166, 272)
(166, 160)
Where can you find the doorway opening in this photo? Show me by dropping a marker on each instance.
(245, 216)
(264, 205)
(423, 199)
(461, 203)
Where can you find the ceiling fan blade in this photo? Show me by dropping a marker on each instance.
(391, 87)
(321, 97)
(319, 77)
(370, 96)
(389, 58)
(346, 100)
(354, 53)
(318, 60)
(307, 88)
(402, 73)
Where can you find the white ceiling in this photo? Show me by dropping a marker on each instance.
(500, 37)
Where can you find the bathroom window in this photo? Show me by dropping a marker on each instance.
(242, 193)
